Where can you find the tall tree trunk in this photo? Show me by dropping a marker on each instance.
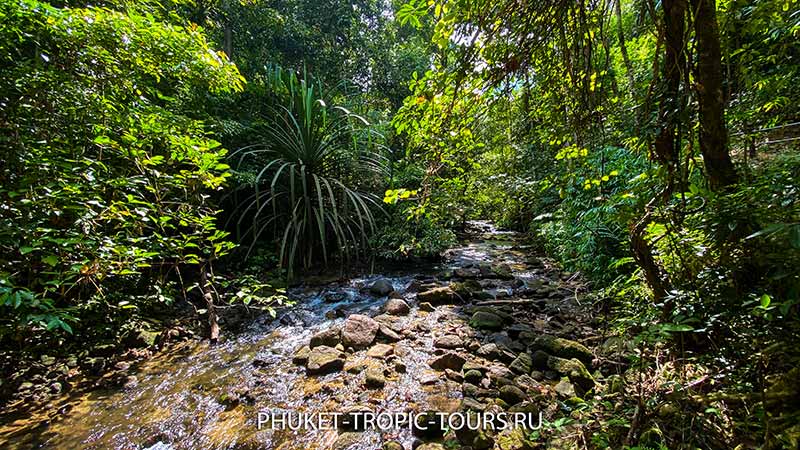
(623, 49)
(666, 147)
(228, 40)
(713, 134)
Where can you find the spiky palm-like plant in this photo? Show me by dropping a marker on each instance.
(313, 168)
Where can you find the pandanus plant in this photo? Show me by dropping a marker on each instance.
(313, 167)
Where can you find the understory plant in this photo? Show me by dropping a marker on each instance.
(309, 182)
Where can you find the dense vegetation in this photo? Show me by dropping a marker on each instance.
(649, 146)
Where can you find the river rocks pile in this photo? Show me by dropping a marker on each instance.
(487, 341)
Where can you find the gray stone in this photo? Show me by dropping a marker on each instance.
(381, 288)
(512, 394)
(359, 331)
(523, 364)
(564, 348)
(486, 321)
(396, 307)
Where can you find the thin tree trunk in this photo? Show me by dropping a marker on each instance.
(208, 296)
(623, 49)
(720, 170)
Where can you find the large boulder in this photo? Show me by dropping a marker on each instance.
(329, 337)
(324, 359)
(396, 307)
(381, 288)
(359, 331)
(563, 348)
(438, 296)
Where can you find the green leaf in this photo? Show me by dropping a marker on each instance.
(50, 260)
(765, 301)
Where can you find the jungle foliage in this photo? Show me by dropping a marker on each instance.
(648, 146)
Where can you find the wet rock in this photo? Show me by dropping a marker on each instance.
(512, 394)
(486, 321)
(346, 440)
(329, 337)
(141, 338)
(323, 359)
(334, 297)
(473, 376)
(489, 351)
(301, 356)
(574, 369)
(392, 445)
(472, 365)
(396, 307)
(380, 351)
(564, 348)
(449, 341)
(522, 364)
(497, 372)
(453, 375)
(466, 289)
(55, 388)
(430, 446)
(359, 331)
(387, 334)
(502, 271)
(449, 360)
(381, 288)
(428, 378)
(427, 307)
(374, 377)
(471, 404)
(467, 272)
(438, 296)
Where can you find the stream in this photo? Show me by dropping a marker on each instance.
(199, 396)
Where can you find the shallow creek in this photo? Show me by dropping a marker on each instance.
(201, 396)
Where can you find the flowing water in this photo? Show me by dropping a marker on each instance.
(201, 396)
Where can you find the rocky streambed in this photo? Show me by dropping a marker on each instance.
(492, 329)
